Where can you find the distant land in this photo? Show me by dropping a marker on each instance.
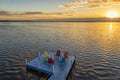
(68, 20)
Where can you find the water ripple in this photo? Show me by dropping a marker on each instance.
(97, 48)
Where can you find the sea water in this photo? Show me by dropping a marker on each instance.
(95, 44)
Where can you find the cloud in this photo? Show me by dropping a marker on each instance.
(44, 13)
(5, 13)
(104, 0)
(115, 0)
(71, 5)
(29, 13)
(90, 4)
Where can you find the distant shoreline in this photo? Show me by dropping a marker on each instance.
(59, 21)
(69, 20)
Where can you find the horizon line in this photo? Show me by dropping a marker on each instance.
(68, 20)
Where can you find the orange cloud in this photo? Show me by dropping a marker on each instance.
(71, 5)
(115, 0)
(90, 4)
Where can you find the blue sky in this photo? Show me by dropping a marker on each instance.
(32, 5)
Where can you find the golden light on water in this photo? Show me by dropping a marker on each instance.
(110, 28)
(112, 14)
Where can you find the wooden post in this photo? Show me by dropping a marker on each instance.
(65, 71)
(53, 68)
(39, 63)
(39, 58)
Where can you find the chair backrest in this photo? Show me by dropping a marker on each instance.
(51, 61)
(65, 54)
(58, 53)
(63, 59)
(46, 54)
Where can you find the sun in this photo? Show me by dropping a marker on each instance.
(112, 14)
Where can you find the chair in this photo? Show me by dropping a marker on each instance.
(58, 53)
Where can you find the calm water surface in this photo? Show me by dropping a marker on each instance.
(96, 46)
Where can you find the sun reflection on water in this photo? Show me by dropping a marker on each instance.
(110, 28)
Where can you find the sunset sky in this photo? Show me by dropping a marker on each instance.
(56, 9)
